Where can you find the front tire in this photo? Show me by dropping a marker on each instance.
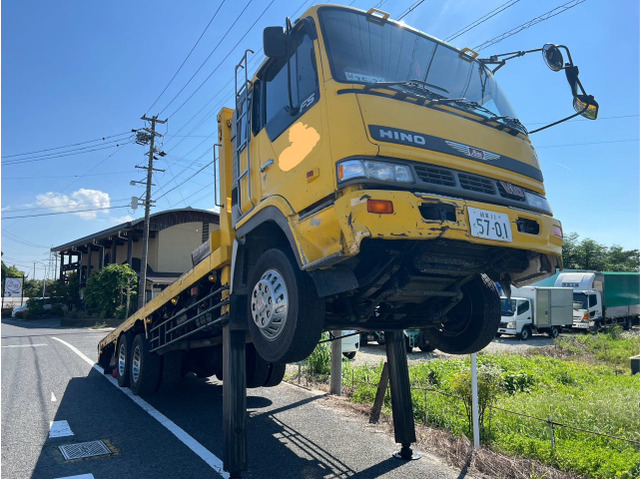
(473, 322)
(285, 313)
(349, 355)
(525, 334)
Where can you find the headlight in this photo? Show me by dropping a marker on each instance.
(511, 325)
(538, 202)
(374, 170)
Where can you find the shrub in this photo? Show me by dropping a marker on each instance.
(319, 362)
(106, 289)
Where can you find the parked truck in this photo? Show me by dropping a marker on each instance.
(603, 298)
(532, 310)
(383, 184)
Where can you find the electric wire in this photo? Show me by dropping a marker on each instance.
(224, 36)
(224, 59)
(63, 154)
(65, 146)
(64, 213)
(188, 55)
(534, 21)
(481, 20)
(410, 9)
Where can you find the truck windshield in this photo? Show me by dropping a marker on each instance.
(363, 49)
(580, 301)
(508, 307)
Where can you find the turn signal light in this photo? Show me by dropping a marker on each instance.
(586, 316)
(379, 206)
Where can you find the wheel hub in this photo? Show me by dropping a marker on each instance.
(270, 304)
(136, 360)
(122, 359)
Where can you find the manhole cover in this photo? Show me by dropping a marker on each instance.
(84, 450)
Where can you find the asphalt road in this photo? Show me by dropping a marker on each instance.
(292, 433)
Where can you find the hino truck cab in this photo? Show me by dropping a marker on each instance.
(587, 308)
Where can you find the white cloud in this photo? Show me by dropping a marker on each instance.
(125, 218)
(82, 199)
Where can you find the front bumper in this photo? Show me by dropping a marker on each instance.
(507, 331)
(409, 223)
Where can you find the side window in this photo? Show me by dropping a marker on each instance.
(256, 107)
(592, 301)
(523, 307)
(290, 88)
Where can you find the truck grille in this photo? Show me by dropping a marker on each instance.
(476, 184)
(503, 324)
(436, 176)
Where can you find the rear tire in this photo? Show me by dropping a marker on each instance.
(473, 322)
(258, 368)
(426, 348)
(349, 355)
(364, 340)
(145, 367)
(554, 332)
(171, 370)
(123, 359)
(276, 374)
(628, 323)
(285, 313)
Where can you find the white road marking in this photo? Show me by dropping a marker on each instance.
(59, 428)
(26, 345)
(53, 397)
(84, 475)
(195, 446)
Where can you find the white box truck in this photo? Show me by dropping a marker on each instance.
(536, 310)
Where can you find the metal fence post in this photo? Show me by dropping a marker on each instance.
(553, 440)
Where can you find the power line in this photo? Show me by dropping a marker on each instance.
(224, 36)
(64, 213)
(66, 176)
(63, 154)
(27, 243)
(189, 178)
(410, 9)
(588, 143)
(188, 55)
(65, 146)
(224, 59)
(481, 20)
(534, 21)
(587, 120)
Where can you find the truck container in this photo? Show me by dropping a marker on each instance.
(603, 298)
(536, 310)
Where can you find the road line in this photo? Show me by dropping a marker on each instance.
(196, 447)
(59, 428)
(53, 397)
(84, 475)
(26, 345)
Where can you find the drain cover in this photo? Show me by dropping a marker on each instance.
(84, 450)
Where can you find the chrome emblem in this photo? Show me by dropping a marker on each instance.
(472, 152)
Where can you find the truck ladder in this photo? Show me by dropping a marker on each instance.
(242, 125)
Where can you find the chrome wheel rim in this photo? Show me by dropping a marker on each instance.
(270, 304)
(136, 363)
(122, 359)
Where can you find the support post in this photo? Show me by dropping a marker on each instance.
(402, 406)
(336, 363)
(234, 389)
(382, 389)
(474, 401)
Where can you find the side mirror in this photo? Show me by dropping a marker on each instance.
(275, 42)
(586, 106)
(553, 57)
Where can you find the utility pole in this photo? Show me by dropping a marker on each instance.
(142, 137)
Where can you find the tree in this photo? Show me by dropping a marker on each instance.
(588, 254)
(107, 289)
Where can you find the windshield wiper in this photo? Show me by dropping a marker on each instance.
(464, 102)
(414, 84)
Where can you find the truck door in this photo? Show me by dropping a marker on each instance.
(543, 303)
(595, 310)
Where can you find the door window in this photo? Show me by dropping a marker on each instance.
(523, 307)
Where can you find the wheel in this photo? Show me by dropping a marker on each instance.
(276, 374)
(285, 313)
(525, 334)
(364, 340)
(628, 323)
(145, 367)
(381, 340)
(426, 348)
(258, 368)
(349, 355)
(554, 332)
(105, 359)
(498, 335)
(123, 359)
(473, 322)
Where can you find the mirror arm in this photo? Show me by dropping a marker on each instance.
(560, 121)
(493, 59)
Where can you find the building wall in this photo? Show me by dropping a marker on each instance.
(175, 245)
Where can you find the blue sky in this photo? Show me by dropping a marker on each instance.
(77, 71)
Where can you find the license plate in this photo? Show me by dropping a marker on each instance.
(491, 225)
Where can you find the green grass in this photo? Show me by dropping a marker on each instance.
(601, 397)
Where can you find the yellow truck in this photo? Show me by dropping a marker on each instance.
(371, 177)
